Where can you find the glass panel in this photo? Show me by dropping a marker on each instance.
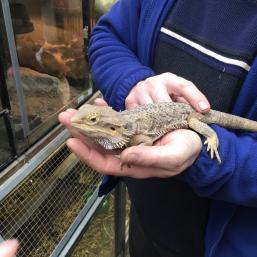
(102, 6)
(53, 69)
(5, 151)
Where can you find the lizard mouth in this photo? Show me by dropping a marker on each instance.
(82, 126)
(103, 137)
(88, 130)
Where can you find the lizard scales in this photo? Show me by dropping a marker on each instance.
(145, 124)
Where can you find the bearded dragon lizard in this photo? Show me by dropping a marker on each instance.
(145, 124)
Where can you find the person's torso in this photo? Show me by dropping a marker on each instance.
(211, 43)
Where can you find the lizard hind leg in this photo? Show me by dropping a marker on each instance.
(212, 141)
(212, 147)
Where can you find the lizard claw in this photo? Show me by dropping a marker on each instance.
(212, 147)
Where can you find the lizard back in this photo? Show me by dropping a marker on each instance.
(158, 118)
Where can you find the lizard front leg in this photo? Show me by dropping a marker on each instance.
(141, 140)
(212, 141)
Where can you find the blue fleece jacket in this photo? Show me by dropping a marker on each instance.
(121, 51)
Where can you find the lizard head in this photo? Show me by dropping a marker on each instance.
(101, 123)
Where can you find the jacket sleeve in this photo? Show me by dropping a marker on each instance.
(113, 53)
(235, 180)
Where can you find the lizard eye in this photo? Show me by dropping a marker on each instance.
(93, 118)
(112, 128)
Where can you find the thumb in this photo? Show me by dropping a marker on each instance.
(100, 102)
(181, 87)
(154, 156)
(9, 248)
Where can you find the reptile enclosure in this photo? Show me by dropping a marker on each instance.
(48, 197)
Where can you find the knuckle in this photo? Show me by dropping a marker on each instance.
(184, 83)
(167, 174)
(129, 101)
(176, 166)
(168, 75)
(139, 84)
(149, 82)
(171, 76)
(176, 162)
(154, 85)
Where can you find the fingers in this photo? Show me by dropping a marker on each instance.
(9, 248)
(174, 152)
(100, 102)
(64, 118)
(179, 99)
(109, 164)
(164, 88)
(163, 157)
(143, 172)
(148, 91)
(103, 163)
(181, 87)
(139, 95)
(172, 155)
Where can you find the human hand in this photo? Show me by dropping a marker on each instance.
(169, 156)
(167, 87)
(8, 248)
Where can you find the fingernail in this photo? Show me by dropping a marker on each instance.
(203, 105)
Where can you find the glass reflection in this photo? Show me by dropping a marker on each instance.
(5, 152)
(52, 65)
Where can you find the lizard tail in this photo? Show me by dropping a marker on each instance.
(230, 121)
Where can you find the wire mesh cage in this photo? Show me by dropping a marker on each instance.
(99, 239)
(42, 208)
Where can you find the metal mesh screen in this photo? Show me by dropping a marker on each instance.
(42, 208)
(99, 239)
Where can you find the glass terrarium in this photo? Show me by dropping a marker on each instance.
(44, 62)
(48, 198)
